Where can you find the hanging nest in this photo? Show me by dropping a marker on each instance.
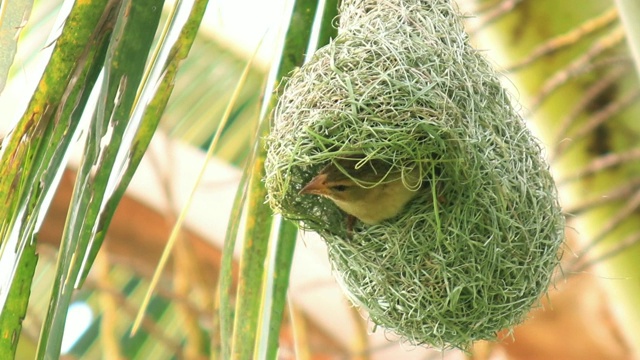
(476, 249)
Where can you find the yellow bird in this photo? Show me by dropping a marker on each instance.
(375, 195)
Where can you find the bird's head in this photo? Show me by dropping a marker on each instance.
(369, 191)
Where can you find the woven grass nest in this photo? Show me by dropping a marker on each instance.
(474, 252)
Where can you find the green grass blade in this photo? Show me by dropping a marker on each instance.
(248, 305)
(283, 258)
(260, 300)
(250, 300)
(99, 172)
(226, 291)
(225, 284)
(30, 167)
(17, 300)
(277, 279)
(154, 110)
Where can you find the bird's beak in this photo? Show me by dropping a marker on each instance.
(316, 186)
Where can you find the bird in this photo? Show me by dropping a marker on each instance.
(366, 190)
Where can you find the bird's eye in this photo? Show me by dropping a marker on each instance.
(339, 188)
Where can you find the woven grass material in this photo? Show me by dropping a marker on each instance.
(475, 250)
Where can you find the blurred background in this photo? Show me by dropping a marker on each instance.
(569, 63)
